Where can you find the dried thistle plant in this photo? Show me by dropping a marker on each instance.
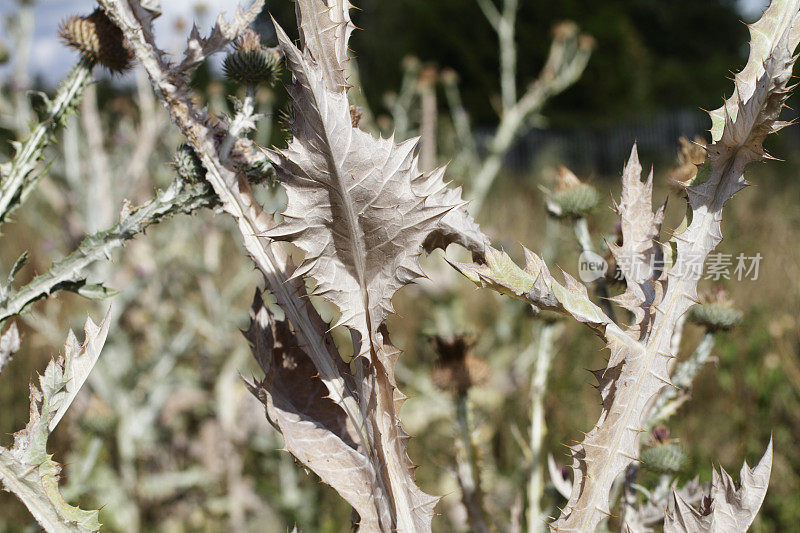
(362, 209)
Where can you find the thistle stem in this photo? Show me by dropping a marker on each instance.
(22, 177)
(468, 475)
(581, 228)
(541, 368)
(67, 273)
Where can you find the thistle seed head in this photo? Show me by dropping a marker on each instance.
(98, 40)
(458, 370)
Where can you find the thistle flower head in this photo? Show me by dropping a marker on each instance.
(250, 63)
(571, 198)
(716, 312)
(98, 40)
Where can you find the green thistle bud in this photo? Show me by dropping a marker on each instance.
(98, 40)
(664, 458)
(716, 312)
(250, 63)
(572, 198)
(188, 165)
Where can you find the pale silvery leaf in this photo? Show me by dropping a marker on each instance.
(352, 205)
(325, 29)
(730, 507)
(26, 469)
(78, 363)
(457, 225)
(9, 345)
(639, 255)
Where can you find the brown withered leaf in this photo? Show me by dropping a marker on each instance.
(315, 429)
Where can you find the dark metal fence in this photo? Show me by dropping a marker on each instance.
(603, 150)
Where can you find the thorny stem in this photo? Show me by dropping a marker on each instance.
(467, 462)
(541, 368)
(581, 228)
(237, 200)
(67, 273)
(22, 176)
(665, 405)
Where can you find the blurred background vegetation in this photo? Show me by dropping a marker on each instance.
(185, 448)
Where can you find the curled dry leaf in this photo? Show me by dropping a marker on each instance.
(730, 507)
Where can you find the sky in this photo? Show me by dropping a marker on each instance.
(51, 60)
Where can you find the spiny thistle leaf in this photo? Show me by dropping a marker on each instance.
(639, 255)
(361, 210)
(354, 204)
(325, 29)
(27, 469)
(730, 507)
(222, 34)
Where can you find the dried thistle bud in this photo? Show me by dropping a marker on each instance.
(449, 76)
(458, 369)
(691, 154)
(250, 63)
(565, 30)
(660, 434)
(98, 40)
(428, 76)
(410, 63)
(572, 198)
(247, 41)
(356, 114)
(188, 165)
(716, 312)
(586, 42)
